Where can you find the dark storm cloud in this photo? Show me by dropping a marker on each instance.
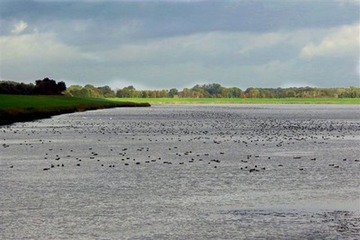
(164, 19)
(177, 43)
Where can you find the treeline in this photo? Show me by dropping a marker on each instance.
(215, 91)
(41, 87)
(50, 87)
(90, 91)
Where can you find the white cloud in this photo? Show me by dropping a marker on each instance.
(19, 27)
(343, 41)
(42, 48)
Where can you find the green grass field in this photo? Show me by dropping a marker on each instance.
(242, 100)
(15, 108)
(46, 102)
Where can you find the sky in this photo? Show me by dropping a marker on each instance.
(163, 44)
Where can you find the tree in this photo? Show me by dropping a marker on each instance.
(236, 92)
(49, 87)
(173, 92)
(9, 87)
(106, 92)
(352, 92)
(213, 89)
(73, 91)
(145, 93)
(92, 91)
(127, 92)
(251, 92)
(61, 87)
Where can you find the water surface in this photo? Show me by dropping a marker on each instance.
(184, 172)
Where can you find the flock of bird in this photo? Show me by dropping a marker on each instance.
(212, 139)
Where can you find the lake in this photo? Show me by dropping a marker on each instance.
(184, 172)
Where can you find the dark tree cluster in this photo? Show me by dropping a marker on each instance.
(42, 87)
(49, 87)
(9, 87)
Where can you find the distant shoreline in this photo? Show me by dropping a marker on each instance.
(21, 108)
(240, 100)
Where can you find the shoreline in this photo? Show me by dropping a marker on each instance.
(20, 108)
(176, 101)
(23, 115)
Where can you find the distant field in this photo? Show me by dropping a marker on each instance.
(15, 108)
(241, 100)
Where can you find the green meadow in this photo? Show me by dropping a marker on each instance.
(241, 100)
(15, 108)
(46, 102)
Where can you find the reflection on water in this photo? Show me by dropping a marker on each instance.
(184, 172)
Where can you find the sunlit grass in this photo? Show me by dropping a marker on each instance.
(46, 102)
(23, 107)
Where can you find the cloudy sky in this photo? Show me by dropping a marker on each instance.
(179, 43)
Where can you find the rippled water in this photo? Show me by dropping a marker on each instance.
(184, 172)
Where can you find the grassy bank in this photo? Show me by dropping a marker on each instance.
(242, 100)
(16, 108)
